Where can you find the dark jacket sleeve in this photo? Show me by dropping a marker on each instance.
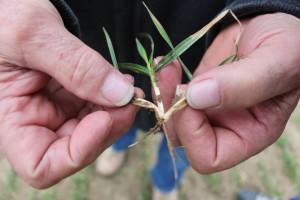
(70, 20)
(242, 8)
(248, 8)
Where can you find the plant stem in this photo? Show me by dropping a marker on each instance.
(161, 108)
(156, 90)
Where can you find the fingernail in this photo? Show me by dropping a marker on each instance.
(117, 90)
(204, 94)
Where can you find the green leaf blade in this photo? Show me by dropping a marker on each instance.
(142, 52)
(229, 60)
(111, 48)
(134, 68)
(152, 46)
(159, 27)
(167, 39)
(188, 42)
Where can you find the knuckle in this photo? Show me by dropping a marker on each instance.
(26, 25)
(39, 185)
(37, 175)
(35, 180)
(33, 25)
(30, 17)
(205, 168)
(87, 70)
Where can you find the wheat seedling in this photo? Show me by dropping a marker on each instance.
(150, 69)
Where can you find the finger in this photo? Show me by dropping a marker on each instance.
(209, 149)
(168, 80)
(269, 66)
(49, 159)
(215, 148)
(77, 67)
(216, 52)
(67, 128)
(123, 118)
(277, 111)
(245, 83)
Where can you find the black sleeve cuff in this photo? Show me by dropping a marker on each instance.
(250, 8)
(70, 20)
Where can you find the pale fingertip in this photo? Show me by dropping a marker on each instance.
(204, 94)
(116, 89)
(127, 98)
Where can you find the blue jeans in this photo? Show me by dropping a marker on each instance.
(162, 173)
(296, 198)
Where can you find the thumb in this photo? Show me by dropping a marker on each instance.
(245, 83)
(168, 79)
(80, 69)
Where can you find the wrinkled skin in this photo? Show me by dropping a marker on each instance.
(245, 105)
(50, 82)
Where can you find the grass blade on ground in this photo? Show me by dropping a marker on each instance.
(111, 48)
(269, 181)
(80, 183)
(12, 181)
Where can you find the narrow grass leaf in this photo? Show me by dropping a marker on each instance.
(111, 48)
(141, 50)
(185, 69)
(49, 194)
(288, 158)
(167, 39)
(80, 183)
(12, 181)
(134, 68)
(159, 27)
(268, 180)
(149, 37)
(229, 60)
(188, 42)
(214, 181)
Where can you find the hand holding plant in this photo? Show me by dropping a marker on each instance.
(164, 109)
(50, 82)
(239, 109)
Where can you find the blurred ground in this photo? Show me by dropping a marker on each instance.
(275, 171)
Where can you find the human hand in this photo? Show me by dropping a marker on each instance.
(237, 110)
(49, 81)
